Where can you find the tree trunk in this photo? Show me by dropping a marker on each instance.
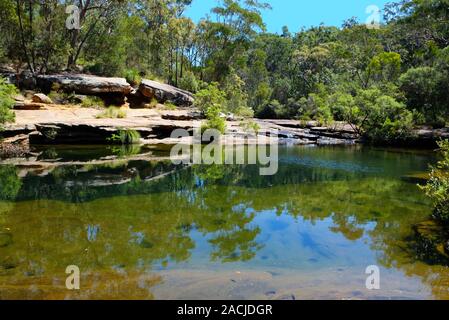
(22, 37)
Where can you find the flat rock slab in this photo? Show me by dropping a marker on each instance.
(85, 84)
(165, 93)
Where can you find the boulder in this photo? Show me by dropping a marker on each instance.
(165, 93)
(19, 98)
(84, 84)
(137, 100)
(41, 98)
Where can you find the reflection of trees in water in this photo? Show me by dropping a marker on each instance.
(10, 183)
(154, 226)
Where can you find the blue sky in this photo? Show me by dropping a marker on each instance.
(298, 13)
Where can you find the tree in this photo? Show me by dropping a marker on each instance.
(380, 118)
(211, 102)
(92, 13)
(385, 67)
(230, 35)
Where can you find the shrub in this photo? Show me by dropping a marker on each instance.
(236, 97)
(125, 137)
(315, 107)
(153, 103)
(271, 110)
(188, 82)
(339, 103)
(210, 102)
(61, 97)
(133, 77)
(214, 120)
(209, 97)
(169, 106)
(92, 102)
(425, 89)
(7, 91)
(250, 127)
(380, 118)
(437, 187)
(113, 113)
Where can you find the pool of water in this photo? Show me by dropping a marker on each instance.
(142, 228)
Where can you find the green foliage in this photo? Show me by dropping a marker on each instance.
(7, 92)
(250, 126)
(425, 89)
(341, 105)
(315, 107)
(272, 110)
(133, 77)
(10, 182)
(210, 97)
(380, 118)
(236, 97)
(125, 137)
(92, 102)
(316, 73)
(214, 120)
(189, 82)
(125, 150)
(113, 113)
(437, 187)
(385, 66)
(211, 101)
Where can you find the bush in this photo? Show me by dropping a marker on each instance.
(188, 82)
(209, 97)
(437, 187)
(113, 113)
(133, 77)
(272, 110)
(236, 97)
(214, 120)
(380, 118)
(250, 127)
(340, 103)
(315, 107)
(92, 102)
(425, 89)
(7, 92)
(125, 137)
(169, 106)
(210, 102)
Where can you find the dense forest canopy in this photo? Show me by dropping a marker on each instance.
(383, 80)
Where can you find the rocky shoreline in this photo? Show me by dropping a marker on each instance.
(80, 126)
(40, 121)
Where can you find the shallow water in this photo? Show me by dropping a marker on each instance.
(141, 229)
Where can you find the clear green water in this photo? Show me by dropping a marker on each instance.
(145, 229)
